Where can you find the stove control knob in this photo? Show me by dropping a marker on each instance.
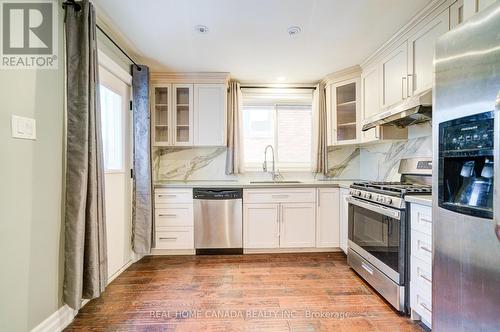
(368, 195)
(359, 193)
(388, 200)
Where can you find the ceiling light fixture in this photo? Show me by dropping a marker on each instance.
(293, 31)
(201, 28)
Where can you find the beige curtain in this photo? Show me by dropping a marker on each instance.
(234, 143)
(320, 138)
(85, 257)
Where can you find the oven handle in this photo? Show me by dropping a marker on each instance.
(496, 167)
(395, 214)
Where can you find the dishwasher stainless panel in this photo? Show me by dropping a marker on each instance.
(218, 220)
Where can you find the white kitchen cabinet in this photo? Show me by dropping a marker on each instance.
(370, 101)
(173, 219)
(456, 13)
(393, 73)
(345, 111)
(297, 225)
(327, 218)
(209, 114)
(344, 218)
(421, 263)
(182, 114)
(421, 53)
(261, 226)
(472, 7)
(161, 117)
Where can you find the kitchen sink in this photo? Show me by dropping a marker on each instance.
(273, 182)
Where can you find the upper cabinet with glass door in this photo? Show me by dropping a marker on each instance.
(161, 130)
(344, 108)
(172, 121)
(183, 114)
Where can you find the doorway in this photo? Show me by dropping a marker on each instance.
(116, 136)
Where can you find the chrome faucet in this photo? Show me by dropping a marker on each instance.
(276, 176)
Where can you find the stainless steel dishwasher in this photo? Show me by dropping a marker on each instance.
(218, 221)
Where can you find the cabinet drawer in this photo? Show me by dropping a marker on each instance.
(163, 196)
(421, 246)
(307, 195)
(421, 277)
(421, 218)
(174, 238)
(174, 215)
(422, 305)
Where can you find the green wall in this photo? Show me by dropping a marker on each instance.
(31, 193)
(31, 182)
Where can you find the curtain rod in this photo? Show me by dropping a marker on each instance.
(276, 87)
(78, 7)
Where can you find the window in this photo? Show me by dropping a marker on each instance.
(287, 127)
(112, 129)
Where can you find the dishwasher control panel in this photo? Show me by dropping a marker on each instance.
(217, 193)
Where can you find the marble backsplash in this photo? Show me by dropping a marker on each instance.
(378, 162)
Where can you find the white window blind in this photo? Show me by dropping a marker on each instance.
(284, 124)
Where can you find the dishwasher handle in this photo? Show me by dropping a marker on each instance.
(217, 193)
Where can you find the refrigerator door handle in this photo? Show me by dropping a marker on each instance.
(496, 165)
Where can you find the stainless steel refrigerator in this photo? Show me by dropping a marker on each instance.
(466, 180)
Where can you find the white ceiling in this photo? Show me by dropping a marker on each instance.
(249, 38)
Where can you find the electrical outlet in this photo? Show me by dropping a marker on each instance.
(24, 128)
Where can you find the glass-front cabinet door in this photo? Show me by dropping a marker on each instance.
(161, 116)
(345, 107)
(183, 114)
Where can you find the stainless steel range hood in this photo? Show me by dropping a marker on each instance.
(415, 109)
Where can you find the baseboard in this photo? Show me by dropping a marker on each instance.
(289, 250)
(172, 252)
(58, 321)
(120, 271)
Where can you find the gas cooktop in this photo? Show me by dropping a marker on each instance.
(393, 188)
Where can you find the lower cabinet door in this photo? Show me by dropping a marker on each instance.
(327, 218)
(298, 225)
(261, 226)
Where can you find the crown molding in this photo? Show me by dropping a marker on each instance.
(342, 75)
(430, 11)
(191, 77)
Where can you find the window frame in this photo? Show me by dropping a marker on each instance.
(284, 167)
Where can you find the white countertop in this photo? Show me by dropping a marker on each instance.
(248, 184)
(420, 199)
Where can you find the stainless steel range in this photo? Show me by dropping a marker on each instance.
(379, 229)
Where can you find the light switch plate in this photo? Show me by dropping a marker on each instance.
(24, 128)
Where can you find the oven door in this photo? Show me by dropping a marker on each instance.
(376, 233)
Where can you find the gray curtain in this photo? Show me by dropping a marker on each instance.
(142, 220)
(320, 160)
(85, 271)
(234, 143)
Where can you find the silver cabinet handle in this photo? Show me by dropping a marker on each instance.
(426, 220)
(367, 268)
(423, 305)
(403, 80)
(171, 215)
(426, 249)
(278, 220)
(409, 85)
(168, 238)
(169, 195)
(423, 276)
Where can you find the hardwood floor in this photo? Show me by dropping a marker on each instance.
(278, 292)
